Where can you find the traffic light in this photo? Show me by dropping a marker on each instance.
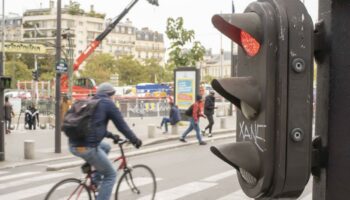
(5, 82)
(35, 75)
(273, 94)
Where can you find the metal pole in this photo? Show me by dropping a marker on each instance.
(70, 66)
(2, 71)
(333, 105)
(58, 82)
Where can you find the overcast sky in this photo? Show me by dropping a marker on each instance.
(196, 13)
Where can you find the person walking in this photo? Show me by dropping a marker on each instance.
(64, 106)
(93, 150)
(32, 117)
(8, 115)
(173, 119)
(197, 112)
(209, 106)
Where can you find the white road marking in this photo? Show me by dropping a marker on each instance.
(31, 180)
(220, 176)
(4, 178)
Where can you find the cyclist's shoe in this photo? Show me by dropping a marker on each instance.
(210, 135)
(182, 140)
(202, 143)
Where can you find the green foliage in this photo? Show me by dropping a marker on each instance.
(74, 8)
(180, 38)
(18, 71)
(100, 67)
(207, 78)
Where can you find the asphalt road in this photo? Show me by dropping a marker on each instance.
(186, 173)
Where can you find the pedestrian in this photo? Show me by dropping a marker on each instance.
(32, 117)
(197, 112)
(64, 106)
(173, 119)
(209, 106)
(8, 115)
(93, 150)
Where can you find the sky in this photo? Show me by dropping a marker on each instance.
(196, 13)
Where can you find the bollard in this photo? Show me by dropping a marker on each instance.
(151, 130)
(174, 129)
(29, 149)
(222, 123)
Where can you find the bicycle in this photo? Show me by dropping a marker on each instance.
(136, 182)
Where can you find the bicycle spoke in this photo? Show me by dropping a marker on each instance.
(136, 183)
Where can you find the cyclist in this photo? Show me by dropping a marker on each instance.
(93, 150)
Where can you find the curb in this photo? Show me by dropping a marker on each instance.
(147, 143)
(61, 166)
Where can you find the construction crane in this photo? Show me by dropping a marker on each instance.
(84, 86)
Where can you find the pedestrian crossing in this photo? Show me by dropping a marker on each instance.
(35, 185)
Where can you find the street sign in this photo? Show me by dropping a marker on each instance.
(61, 66)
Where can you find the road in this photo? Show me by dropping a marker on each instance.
(186, 173)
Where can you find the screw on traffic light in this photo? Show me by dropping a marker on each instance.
(5, 82)
(273, 94)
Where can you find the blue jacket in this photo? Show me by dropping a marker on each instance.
(105, 111)
(174, 115)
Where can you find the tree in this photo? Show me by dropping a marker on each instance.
(154, 72)
(180, 39)
(130, 71)
(18, 71)
(100, 67)
(74, 8)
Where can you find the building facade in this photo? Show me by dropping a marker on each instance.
(39, 25)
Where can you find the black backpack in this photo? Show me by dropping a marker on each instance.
(77, 121)
(189, 111)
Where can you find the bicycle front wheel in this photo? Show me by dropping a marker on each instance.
(138, 182)
(69, 189)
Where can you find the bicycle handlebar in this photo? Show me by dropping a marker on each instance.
(117, 140)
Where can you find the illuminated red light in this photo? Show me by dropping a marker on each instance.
(250, 45)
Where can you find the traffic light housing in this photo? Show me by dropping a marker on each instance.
(5, 82)
(273, 94)
(35, 75)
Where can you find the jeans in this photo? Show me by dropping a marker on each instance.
(192, 126)
(165, 121)
(99, 160)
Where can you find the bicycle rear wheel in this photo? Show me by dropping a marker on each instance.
(69, 189)
(139, 182)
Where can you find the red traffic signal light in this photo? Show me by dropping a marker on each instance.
(244, 29)
(273, 94)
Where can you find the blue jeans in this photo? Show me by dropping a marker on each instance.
(99, 160)
(192, 126)
(165, 122)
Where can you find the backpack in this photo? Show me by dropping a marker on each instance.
(77, 121)
(189, 111)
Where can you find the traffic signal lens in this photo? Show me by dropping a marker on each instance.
(249, 43)
(248, 112)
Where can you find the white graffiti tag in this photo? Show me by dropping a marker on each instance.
(251, 132)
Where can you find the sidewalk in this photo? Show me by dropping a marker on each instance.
(45, 139)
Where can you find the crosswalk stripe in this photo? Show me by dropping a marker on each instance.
(30, 192)
(4, 178)
(220, 176)
(31, 180)
(181, 191)
(238, 195)
(138, 182)
(3, 172)
(307, 197)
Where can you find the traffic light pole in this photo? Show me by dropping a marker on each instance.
(58, 82)
(333, 106)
